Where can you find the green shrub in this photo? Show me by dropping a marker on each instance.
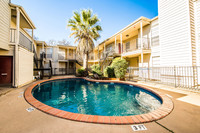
(96, 69)
(109, 72)
(120, 67)
(82, 72)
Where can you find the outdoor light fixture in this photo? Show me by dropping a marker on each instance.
(127, 35)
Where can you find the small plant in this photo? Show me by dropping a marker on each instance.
(82, 72)
(109, 72)
(120, 67)
(96, 69)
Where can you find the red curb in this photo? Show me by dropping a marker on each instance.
(164, 110)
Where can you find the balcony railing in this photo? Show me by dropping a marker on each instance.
(107, 54)
(23, 40)
(145, 43)
(62, 57)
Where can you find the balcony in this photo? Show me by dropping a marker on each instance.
(109, 54)
(24, 41)
(136, 49)
(62, 58)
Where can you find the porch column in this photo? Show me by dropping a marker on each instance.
(42, 47)
(115, 44)
(141, 34)
(16, 53)
(121, 45)
(32, 40)
(141, 42)
(67, 53)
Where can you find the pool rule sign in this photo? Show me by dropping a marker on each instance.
(140, 127)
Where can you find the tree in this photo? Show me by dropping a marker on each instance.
(52, 42)
(120, 66)
(64, 42)
(85, 29)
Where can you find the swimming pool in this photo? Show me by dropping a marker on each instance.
(85, 97)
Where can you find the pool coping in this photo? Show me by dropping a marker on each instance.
(165, 109)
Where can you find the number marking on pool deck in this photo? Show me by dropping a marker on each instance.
(140, 127)
(30, 109)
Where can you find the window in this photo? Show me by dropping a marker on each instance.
(109, 47)
(155, 41)
(127, 46)
(70, 53)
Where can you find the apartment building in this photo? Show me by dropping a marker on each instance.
(127, 44)
(16, 45)
(64, 60)
(163, 49)
(171, 39)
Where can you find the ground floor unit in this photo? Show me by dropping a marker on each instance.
(16, 67)
(14, 118)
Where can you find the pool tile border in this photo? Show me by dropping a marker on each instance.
(165, 109)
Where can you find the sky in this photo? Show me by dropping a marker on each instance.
(51, 16)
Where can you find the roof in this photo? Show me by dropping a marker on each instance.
(24, 14)
(67, 46)
(41, 42)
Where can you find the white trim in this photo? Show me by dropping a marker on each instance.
(189, 31)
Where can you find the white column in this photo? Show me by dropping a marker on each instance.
(121, 45)
(16, 70)
(115, 44)
(67, 53)
(32, 40)
(141, 42)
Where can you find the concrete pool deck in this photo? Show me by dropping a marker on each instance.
(14, 118)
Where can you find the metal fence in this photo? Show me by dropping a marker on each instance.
(181, 76)
(64, 71)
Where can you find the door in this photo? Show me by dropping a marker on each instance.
(5, 69)
(119, 48)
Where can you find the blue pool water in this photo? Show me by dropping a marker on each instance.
(106, 99)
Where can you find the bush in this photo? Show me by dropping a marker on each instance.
(109, 72)
(96, 69)
(82, 72)
(120, 67)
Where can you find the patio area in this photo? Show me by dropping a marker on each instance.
(15, 118)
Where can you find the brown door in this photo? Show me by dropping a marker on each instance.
(5, 69)
(119, 48)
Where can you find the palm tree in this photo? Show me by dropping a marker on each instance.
(85, 29)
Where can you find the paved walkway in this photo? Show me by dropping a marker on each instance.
(185, 118)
